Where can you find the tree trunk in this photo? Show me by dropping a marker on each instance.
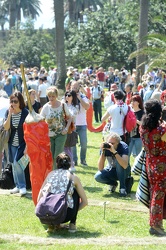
(71, 11)
(12, 14)
(60, 47)
(143, 30)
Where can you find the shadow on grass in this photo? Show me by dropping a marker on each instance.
(80, 233)
(130, 196)
(114, 221)
(94, 147)
(93, 189)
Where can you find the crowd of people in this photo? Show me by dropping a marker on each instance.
(117, 89)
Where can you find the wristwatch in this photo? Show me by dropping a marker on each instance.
(115, 153)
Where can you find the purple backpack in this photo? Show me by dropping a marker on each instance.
(52, 208)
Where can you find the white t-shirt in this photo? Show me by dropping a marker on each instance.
(73, 111)
(42, 87)
(117, 113)
(96, 92)
(81, 117)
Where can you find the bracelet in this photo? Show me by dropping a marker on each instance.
(115, 153)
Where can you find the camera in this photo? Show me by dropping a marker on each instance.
(106, 145)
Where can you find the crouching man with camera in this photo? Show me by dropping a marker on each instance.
(118, 168)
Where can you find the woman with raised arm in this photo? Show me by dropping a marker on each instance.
(15, 118)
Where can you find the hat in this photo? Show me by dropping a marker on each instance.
(151, 84)
(69, 72)
(113, 87)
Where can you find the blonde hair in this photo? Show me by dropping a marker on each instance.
(31, 90)
(52, 91)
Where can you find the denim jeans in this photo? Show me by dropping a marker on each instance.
(57, 146)
(135, 143)
(18, 172)
(111, 176)
(82, 134)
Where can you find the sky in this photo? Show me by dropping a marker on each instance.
(45, 19)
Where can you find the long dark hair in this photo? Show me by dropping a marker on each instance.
(152, 116)
(74, 95)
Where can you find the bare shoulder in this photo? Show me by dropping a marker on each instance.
(76, 179)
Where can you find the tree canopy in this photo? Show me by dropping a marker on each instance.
(107, 38)
(28, 45)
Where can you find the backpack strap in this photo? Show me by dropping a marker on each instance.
(125, 121)
(68, 187)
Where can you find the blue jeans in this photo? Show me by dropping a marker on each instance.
(18, 172)
(135, 143)
(82, 134)
(111, 176)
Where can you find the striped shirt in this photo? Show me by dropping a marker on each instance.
(15, 122)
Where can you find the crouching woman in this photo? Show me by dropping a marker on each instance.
(57, 181)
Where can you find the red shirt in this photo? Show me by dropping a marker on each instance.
(100, 76)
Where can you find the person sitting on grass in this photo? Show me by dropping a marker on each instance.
(57, 181)
(118, 168)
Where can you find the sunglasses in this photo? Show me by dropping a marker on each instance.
(68, 95)
(14, 101)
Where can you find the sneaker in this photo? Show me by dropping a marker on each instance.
(14, 190)
(113, 188)
(23, 191)
(72, 169)
(123, 192)
(129, 184)
(72, 228)
(84, 163)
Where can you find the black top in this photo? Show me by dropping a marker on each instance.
(36, 106)
(135, 132)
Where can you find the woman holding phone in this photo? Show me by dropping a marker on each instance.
(15, 118)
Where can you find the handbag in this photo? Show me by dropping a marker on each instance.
(139, 162)
(72, 125)
(6, 180)
(4, 137)
(72, 139)
(139, 167)
(52, 208)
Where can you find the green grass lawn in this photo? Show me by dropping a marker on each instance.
(122, 217)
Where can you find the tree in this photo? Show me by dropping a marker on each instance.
(3, 16)
(27, 45)
(143, 31)
(155, 51)
(29, 8)
(77, 7)
(106, 39)
(59, 40)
